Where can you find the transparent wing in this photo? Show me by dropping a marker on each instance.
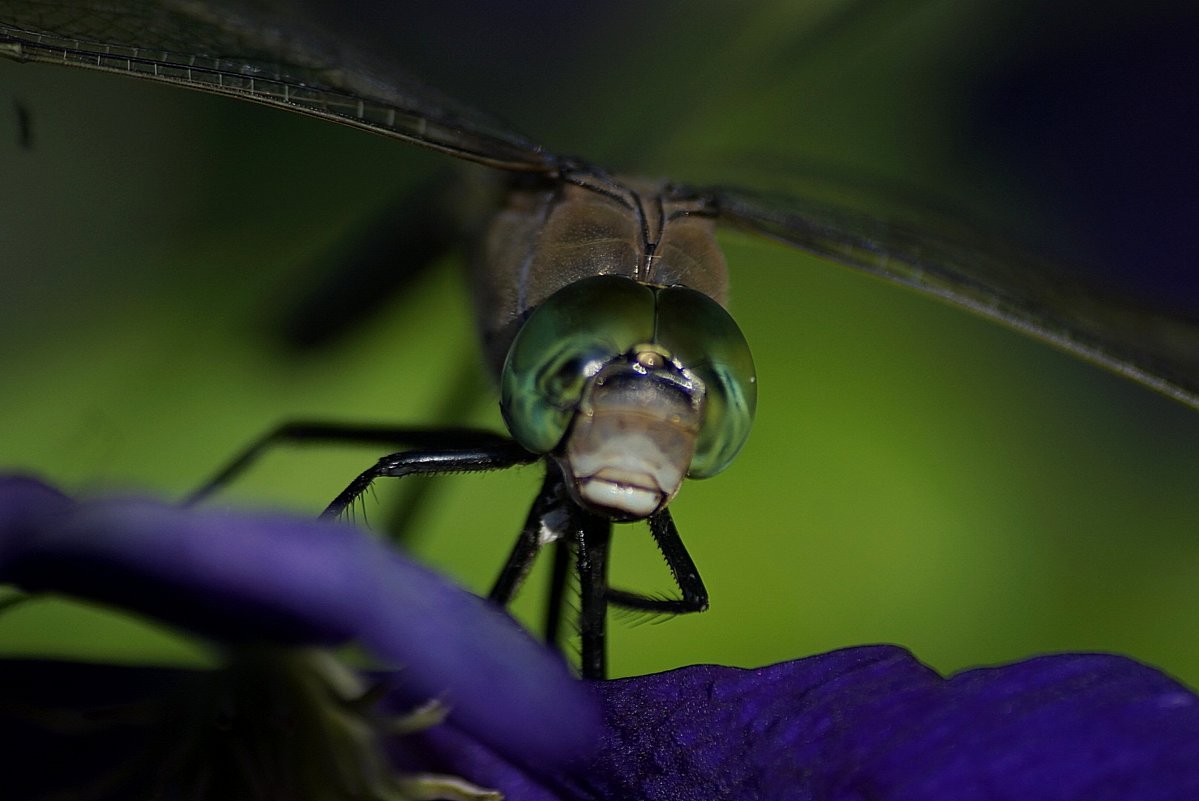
(252, 51)
(989, 278)
(255, 51)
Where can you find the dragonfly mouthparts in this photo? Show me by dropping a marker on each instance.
(631, 443)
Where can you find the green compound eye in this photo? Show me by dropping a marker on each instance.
(702, 337)
(592, 322)
(564, 342)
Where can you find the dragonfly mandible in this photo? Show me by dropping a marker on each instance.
(236, 53)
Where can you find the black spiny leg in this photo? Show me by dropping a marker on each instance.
(557, 594)
(593, 537)
(531, 539)
(686, 576)
(308, 432)
(549, 519)
(556, 518)
(485, 457)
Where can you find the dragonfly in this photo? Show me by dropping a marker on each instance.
(618, 367)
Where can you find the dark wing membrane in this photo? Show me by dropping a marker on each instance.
(255, 51)
(1029, 294)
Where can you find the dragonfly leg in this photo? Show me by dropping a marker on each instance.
(489, 456)
(593, 538)
(557, 594)
(538, 525)
(549, 521)
(304, 432)
(682, 567)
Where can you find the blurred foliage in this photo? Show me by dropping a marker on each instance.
(916, 475)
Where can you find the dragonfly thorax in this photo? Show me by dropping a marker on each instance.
(547, 237)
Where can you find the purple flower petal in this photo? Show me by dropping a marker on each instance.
(118, 732)
(873, 723)
(863, 724)
(237, 577)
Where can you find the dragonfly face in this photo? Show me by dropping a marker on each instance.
(227, 56)
(631, 387)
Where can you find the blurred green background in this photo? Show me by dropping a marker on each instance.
(916, 475)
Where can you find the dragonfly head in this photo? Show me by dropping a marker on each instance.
(632, 388)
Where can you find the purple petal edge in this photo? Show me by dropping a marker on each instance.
(873, 723)
(861, 724)
(237, 576)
